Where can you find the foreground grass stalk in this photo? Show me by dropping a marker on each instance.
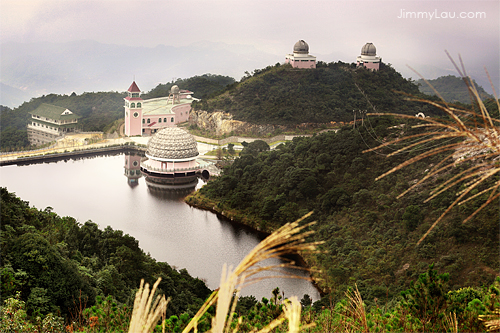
(290, 238)
(146, 313)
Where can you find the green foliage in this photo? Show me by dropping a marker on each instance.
(107, 315)
(369, 236)
(427, 298)
(14, 318)
(51, 262)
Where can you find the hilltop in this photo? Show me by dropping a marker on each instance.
(282, 95)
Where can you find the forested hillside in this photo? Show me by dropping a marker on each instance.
(98, 110)
(282, 95)
(370, 236)
(451, 88)
(60, 266)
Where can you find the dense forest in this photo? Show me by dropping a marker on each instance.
(56, 265)
(98, 110)
(369, 235)
(451, 88)
(282, 95)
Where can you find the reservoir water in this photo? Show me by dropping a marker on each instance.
(97, 189)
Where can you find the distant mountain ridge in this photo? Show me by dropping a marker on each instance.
(452, 88)
(86, 66)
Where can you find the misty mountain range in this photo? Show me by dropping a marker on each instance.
(33, 69)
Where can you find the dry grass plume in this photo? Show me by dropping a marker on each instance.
(478, 145)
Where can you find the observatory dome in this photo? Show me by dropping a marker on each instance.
(301, 47)
(172, 143)
(369, 50)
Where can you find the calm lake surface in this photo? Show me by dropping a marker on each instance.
(166, 227)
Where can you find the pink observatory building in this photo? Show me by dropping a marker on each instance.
(300, 58)
(146, 117)
(171, 160)
(368, 57)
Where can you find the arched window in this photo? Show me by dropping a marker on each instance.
(172, 119)
(143, 120)
(139, 105)
(159, 120)
(132, 105)
(164, 120)
(149, 120)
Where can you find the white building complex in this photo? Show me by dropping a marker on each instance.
(49, 122)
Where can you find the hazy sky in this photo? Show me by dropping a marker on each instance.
(334, 30)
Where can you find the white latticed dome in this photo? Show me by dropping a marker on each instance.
(172, 143)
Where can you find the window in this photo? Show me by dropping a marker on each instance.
(172, 119)
(139, 105)
(164, 120)
(143, 121)
(159, 120)
(136, 114)
(149, 120)
(132, 105)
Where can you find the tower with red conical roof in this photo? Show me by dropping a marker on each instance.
(133, 111)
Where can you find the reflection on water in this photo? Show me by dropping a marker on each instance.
(100, 190)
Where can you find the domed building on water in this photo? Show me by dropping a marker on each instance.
(171, 159)
(300, 58)
(368, 57)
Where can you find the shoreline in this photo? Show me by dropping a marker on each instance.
(193, 201)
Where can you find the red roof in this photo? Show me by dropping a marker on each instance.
(134, 88)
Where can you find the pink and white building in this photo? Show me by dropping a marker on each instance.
(146, 117)
(300, 58)
(368, 57)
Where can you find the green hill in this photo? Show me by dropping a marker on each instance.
(282, 95)
(453, 89)
(370, 236)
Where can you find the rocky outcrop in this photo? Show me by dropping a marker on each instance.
(221, 123)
